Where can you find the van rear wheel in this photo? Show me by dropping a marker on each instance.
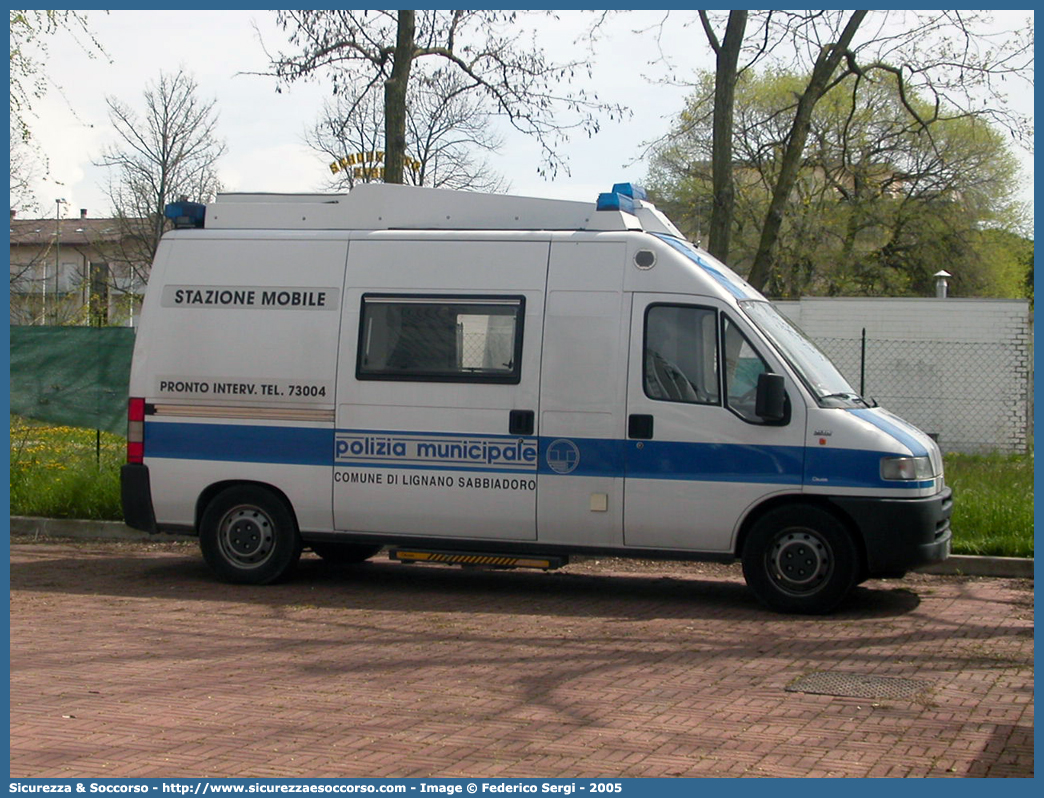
(344, 553)
(248, 535)
(800, 559)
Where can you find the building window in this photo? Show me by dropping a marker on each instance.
(69, 278)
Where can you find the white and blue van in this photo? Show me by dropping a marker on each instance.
(505, 381)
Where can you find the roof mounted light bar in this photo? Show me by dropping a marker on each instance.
(621, 198)
(186, 214)
(379, 206)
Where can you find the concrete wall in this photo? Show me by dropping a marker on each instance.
(959, 368)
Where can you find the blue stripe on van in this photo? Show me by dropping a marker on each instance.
(850, 468)
(728, 279)
(893, 427)
(240, 443)
(589, 457)
(715, 462)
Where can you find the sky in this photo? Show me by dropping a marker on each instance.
(264, 130)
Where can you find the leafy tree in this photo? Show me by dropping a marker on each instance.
(948, 57)
(485, 49)
(1011, 256)
(166, 153)
(877, 206)
(830, 56)
(24, 169)
(30, 32)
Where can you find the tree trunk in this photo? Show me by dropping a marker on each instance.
(725, 76)
(826, 64)
(395, 100)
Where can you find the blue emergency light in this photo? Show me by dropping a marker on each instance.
(629, 190)
(186, 214)
(621, 198)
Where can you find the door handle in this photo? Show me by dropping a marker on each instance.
(521, 422)
(640, 427)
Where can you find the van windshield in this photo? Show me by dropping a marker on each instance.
(821, 376)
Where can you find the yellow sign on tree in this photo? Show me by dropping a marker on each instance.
(363, 165)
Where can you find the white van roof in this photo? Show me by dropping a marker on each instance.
(380, 206)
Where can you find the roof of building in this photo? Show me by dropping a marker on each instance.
(74, 232)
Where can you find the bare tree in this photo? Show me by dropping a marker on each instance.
(169, 152)
(486, 49)
(447, 130)
(451, 130)
(350, 132)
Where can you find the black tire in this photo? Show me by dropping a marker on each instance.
(248, 535)
(344, 553)
(800, 559)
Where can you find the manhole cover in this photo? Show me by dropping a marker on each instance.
(856, 685)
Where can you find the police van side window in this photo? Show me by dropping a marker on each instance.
(441, 339)
(681, 354)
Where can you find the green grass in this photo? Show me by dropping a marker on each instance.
(60, 472)
(993, 504)
(56, 472)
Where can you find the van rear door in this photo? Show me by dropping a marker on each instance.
(438, 387)
(236, 357)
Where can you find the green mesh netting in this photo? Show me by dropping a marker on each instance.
(75, 376)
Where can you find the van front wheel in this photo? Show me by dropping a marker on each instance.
(800, 559)
(248, 535)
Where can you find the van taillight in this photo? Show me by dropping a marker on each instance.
(136, 430)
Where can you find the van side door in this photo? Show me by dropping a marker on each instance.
(438, 387)
(582, 394)
(697, 456)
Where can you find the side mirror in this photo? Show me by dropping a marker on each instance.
(770, 402)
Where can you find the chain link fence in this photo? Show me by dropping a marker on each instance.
(973, 397)
(491, 346)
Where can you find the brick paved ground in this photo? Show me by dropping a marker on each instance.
(128, 659)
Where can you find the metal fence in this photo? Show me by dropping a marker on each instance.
(974, 397)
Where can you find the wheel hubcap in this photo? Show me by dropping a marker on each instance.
(246, 537)
(800, 561)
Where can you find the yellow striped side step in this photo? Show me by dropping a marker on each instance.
(478, 559)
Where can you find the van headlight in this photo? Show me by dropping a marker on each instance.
(906, 468)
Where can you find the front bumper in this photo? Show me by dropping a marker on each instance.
(901, 534)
